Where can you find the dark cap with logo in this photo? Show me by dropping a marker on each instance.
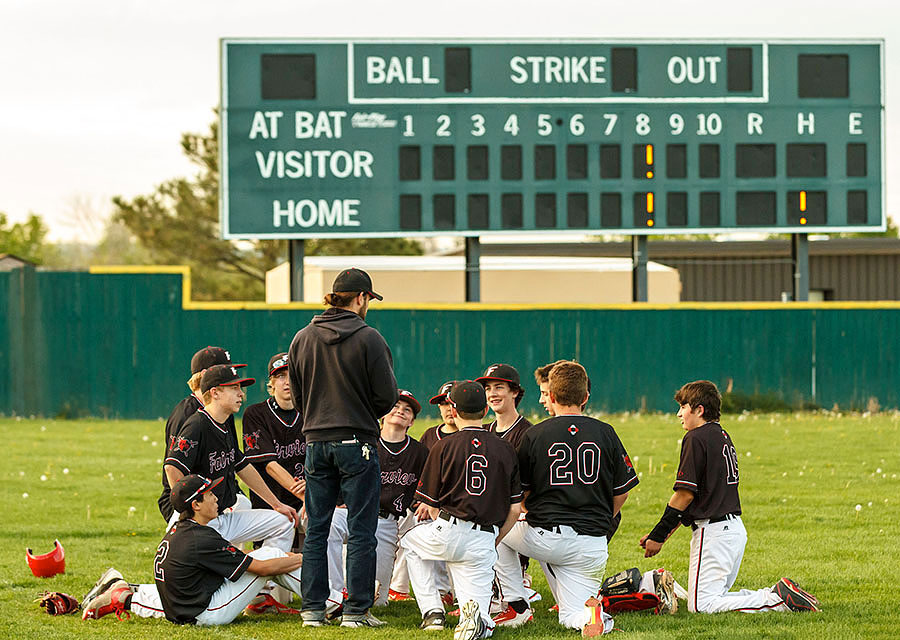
(410, 399)
(468, 396)
(442, 393)
(277, 362)
(501, 373)
(222, 375)
(353, 279)
(209, 356)
(190, 488)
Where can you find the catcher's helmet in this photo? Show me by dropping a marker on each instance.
(48, 564)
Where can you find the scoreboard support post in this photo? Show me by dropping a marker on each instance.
(639, 268)
(800, 263)
(296, 249)
(473, 269)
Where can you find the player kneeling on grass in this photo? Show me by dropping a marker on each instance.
(201, 578)
(470, 491)
(706, 499)
(577, 476)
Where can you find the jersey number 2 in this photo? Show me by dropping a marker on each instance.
(161, 552)
(586, 459)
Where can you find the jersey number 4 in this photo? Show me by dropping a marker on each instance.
(565, 467)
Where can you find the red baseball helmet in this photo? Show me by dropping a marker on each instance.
(48, 564)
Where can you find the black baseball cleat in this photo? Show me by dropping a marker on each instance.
(433, 621)
(794, 597)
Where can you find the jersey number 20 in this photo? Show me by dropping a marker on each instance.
(586, 463)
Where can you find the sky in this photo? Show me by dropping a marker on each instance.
(94, 95)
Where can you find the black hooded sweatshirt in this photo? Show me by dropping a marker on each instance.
(342, 377)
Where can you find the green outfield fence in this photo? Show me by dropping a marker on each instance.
(117, 342)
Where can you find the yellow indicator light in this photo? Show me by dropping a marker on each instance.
(802, 220)
(649, 155)
(803, 201)
(649, 223)
(649, 174)
(650, 203)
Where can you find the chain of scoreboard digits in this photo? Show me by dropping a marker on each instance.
(484, 138)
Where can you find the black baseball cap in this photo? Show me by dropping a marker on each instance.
(209, 356)
(354, 279)
(442, 393)
(190, 488)
(277, 362)
(410, 399)
(502, 373)
(222, 375)
(468, 396)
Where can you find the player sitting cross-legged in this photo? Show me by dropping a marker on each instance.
(470, 492)
(576, 475)
(201, 578)
(706, 499)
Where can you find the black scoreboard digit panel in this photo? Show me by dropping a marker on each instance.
(402, 138)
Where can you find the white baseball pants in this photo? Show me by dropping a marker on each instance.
(470, 555)
(238, 524)
(228, 601)
(576, 561)
(387, 537)
(716, 553)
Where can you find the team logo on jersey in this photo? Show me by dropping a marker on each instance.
(573, 429)
(251, 440)
(230, 549)
(627, 461)
(183, 444)
(476, 442)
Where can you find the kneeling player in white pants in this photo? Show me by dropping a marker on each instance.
(201, 578)
(706, 498)
(470, 491)
(577, 475)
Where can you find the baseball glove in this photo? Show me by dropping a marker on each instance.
(57, 603)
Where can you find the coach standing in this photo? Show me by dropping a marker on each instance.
(342, 380)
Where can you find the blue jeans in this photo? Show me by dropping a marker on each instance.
(334, 468)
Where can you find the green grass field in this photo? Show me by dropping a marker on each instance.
(93, 484)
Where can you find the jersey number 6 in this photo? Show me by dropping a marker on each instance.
(475, 478)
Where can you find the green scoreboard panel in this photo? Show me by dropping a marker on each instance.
(403, 138)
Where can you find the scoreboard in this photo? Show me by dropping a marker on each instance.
(328, 138)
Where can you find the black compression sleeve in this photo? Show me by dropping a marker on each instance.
(670, 520)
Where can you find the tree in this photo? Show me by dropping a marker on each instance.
(26, 240)
(179, 224)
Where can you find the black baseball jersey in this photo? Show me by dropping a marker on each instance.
(274, 434)
(210, 449)
(515, 433)
(709, 469)
(192, 562)
(182, 411)
(433, 435)
(473, 475)
(573, 466)
(401, 469)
